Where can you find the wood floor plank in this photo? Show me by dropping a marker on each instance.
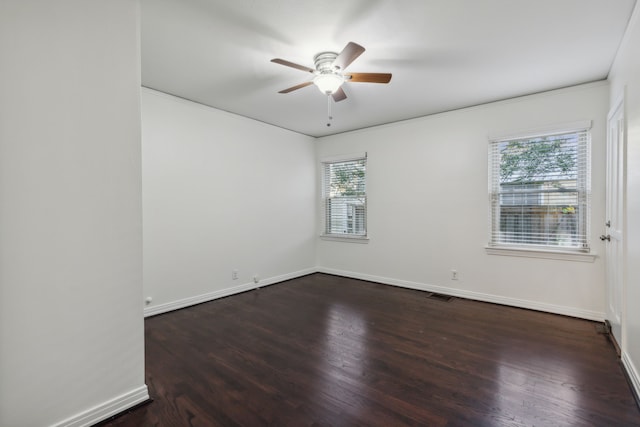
(323, 350)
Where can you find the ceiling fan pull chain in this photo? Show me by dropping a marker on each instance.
(329, 109)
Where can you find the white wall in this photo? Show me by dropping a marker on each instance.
(625, 79)
(428, 206)
(221, 192)
(71, 324)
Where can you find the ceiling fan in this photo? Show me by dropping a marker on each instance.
(329, 72)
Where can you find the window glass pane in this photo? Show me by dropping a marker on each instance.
(345, 197)
(540, 191)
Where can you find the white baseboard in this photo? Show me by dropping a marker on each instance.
(199, 299)
(514, 302)
(632, 372)
(107, 409)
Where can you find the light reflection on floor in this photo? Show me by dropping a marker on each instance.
(344, 356)
(542, 393)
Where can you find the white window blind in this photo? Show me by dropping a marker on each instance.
(345, 199)
(540, 191)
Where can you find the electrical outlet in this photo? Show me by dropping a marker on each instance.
(234, 275)
(454, 274)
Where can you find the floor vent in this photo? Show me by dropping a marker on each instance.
(439, 297)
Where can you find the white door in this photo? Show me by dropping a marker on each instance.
(613, 228)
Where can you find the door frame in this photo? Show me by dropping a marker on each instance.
(617, 111)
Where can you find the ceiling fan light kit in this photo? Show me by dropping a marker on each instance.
(328, 83)
(328, 79)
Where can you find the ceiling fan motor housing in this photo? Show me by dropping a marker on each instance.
(324, 62)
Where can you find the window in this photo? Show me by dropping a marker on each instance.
(540, 191)
(345, 199)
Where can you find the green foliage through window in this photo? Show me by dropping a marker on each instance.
(538, 159)
(347, 178)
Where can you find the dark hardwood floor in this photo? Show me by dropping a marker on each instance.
(329, 351)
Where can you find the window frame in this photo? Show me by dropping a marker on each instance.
(325, 200)
(584, 170)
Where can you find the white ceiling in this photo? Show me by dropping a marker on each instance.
(443, 54)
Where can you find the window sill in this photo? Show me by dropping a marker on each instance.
(542, 253)
(345, 238)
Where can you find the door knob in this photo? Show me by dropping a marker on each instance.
(607, 238)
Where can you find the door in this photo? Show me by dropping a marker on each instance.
(613, 236)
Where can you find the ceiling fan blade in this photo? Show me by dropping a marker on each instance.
(292, 65)
(368, 77)
(349, 54)
(296, 87)
(339, 95)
